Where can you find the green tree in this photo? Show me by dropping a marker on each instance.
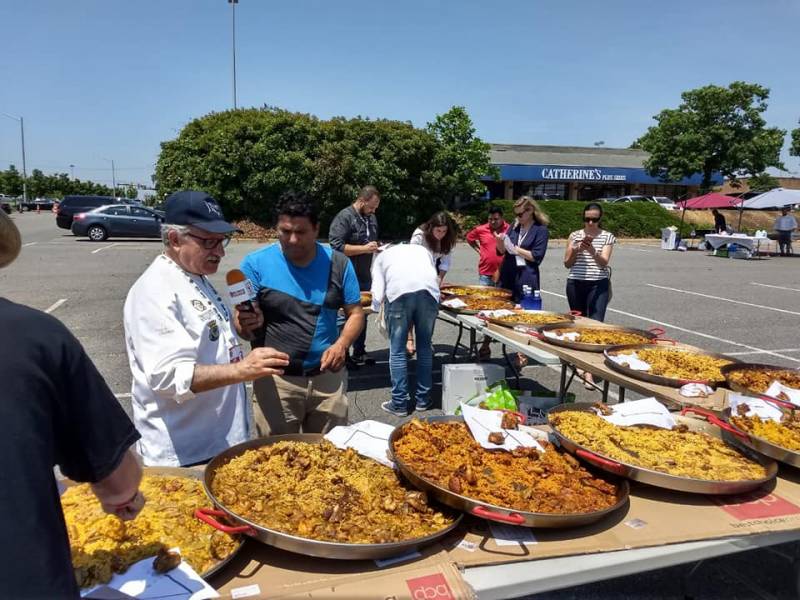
(248, 158)
(131, 192)
(715, 129)
(11, 182)
(763, 182)
(461, 157)
(794, 149)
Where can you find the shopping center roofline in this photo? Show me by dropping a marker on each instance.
(523, 154)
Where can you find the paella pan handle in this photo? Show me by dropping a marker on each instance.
(657, 331)
(535, 334)
(667, 340)
(206, 515)
(714, 420)
(599, 461)
(778, 402)
(485, 513)
(576, 313)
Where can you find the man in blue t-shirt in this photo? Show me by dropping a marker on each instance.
(301, 286)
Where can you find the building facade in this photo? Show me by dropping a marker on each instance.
(578, 173)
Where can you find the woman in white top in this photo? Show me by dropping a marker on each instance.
(438, 234)
(587, 256)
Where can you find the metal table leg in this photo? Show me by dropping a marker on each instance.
(606, 385)
(510, 364)
(562, 384)
(458, 339)
(621, 394)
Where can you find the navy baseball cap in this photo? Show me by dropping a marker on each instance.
(199, 209)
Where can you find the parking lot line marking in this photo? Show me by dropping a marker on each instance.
(697, 333)
(55, 305)
(29, 244)
(780, 310)
(103, 248)
(777, 287)
(754, 352)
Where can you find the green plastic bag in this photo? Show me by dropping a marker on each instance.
(498, 396)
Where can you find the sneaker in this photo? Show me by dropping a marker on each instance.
(362, 359)
(389, 408)
(423, 407)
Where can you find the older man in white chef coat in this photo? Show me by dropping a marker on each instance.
(189, 401)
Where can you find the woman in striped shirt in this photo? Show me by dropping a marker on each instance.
(587, 256)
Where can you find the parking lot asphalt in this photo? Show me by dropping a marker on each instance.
(748, 309)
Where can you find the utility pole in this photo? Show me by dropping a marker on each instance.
(233, 4)
(24, 168)
(113, 177)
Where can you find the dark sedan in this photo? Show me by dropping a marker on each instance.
(118, 220)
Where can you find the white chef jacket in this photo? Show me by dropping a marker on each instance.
(403, 269)
(175, 320)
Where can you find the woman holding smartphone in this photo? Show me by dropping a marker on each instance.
(589, 281)
(587, 256)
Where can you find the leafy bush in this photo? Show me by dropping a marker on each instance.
(624, 219)
(247, 158)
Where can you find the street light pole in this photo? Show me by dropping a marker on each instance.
(113, 177)
(72, 171)
(24, 167)
(233, 4)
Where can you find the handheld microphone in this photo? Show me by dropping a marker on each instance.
(240, 290)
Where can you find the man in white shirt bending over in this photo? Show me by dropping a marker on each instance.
(405, 278)
(189, 401)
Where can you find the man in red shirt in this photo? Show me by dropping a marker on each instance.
(482, 240)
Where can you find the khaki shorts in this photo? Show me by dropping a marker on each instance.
(300, 404)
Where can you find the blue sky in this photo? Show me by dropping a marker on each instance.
(111, 79)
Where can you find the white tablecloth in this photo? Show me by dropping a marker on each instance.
(746, 241)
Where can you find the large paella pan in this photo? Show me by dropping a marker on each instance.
(596, 337)
(759, 469)
(102, 545)
(455, 485)
(669, 363)
(296, 493)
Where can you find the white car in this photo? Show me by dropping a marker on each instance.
(665, 202)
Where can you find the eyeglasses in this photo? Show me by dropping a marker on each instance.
(211, 243)
(591, 219)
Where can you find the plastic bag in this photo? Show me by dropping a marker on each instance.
(496, 397)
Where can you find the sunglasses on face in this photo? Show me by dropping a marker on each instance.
(591, 219)
(211, 243)
(519, 214)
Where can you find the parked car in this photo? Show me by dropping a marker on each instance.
(633, 199)
(40, 204)
(665, 203)
(72, 205)
(117, 220)
(6, 206)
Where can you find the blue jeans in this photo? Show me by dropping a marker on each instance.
(486, 280)
(417, 309)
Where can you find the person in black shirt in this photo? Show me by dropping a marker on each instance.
(55, 409)
(354, 232)
(720, 226)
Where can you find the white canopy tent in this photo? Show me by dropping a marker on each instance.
(775, 198)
